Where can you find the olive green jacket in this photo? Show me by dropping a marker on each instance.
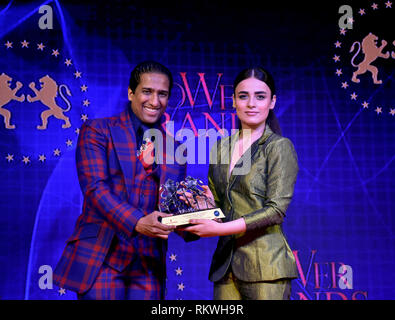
(261, 196)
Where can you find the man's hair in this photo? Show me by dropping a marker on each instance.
(148, 67)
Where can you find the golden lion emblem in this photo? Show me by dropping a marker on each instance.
(6, 95)
(46, 95)
(372, 52)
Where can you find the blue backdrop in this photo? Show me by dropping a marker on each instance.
(343, 131)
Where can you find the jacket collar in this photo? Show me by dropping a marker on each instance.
(266, 134)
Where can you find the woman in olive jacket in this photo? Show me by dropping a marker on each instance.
(253, 259)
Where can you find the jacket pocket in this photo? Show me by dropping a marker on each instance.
(85, 231)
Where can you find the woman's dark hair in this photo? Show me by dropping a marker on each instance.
(148, 67)
(263, 75)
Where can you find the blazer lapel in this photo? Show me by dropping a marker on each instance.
(254, 148)
(125, 146)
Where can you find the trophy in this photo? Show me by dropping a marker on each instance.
(183, 211)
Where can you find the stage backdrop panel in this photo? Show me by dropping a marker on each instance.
(75, 59)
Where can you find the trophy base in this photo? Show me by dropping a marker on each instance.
(183, 219)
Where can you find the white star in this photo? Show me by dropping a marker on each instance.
(55, 53)
(26, 160)
(84, 88)
(8, 44)
(173, 257)
(344, 85)
(77, 131)
(392, 112)
(353, 96)
(69, 143)
(42, 157)
(362, 12)
(178, 271)
(388, 4)
(68, 62)
(86, 103)
(365, 105)
(56, 152)
(62, 291)
(77, 74)
(181, 286)
(379, 110)
(40, 46)
(25, 44)
(10, 157)
(84, 117)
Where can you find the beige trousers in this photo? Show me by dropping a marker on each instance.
(231, 288)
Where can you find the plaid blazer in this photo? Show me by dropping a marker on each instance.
(114, 183)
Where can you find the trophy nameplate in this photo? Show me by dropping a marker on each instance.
(183, 218)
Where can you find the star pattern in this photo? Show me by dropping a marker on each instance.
(354, 96)
(77, 74)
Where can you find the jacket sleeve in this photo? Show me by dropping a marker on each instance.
(282, 169)
(92, 168)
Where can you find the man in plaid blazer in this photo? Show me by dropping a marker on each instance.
(118, 247)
